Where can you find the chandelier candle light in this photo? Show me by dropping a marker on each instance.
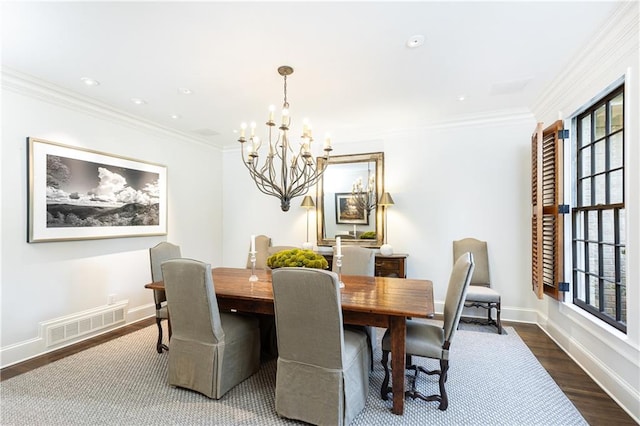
(297, 170)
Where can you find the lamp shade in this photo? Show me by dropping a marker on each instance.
(307, 202)
(386, 200)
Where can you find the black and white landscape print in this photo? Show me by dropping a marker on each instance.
(88, 194)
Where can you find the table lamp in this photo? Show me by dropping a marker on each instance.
(307, 203)
(386, 201)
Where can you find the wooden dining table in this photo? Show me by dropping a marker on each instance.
(374, 301)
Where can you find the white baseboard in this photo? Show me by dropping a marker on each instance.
(609, 381)
(25, 350)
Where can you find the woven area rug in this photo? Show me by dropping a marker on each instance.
(493, 380)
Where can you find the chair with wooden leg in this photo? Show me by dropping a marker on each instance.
(480, 293)
(159, 253)
(431, 340)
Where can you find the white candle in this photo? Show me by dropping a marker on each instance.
(338, 246)
(253, 243)
(354, 230)
(272, 108)
(327, 142)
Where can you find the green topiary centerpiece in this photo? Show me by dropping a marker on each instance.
(368, 235)
(297, 258)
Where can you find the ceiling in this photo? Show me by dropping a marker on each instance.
(355, 75)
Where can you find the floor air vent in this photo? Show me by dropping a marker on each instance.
(74, 326)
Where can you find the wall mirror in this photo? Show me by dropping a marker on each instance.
(343, 210)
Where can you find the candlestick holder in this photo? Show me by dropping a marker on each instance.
(339, 265)
(253, 277)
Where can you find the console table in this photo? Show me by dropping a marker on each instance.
(394, 265)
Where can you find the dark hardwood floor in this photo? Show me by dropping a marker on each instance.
(592, 402)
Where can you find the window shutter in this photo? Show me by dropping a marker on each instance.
(547, 231)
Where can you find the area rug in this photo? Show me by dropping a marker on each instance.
(493, 380)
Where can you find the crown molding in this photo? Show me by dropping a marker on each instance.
(594, 66)
(27, 85)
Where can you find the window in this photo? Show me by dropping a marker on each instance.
(598, 216)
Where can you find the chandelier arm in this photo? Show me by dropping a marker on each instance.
(258, 180)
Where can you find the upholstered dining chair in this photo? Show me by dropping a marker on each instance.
(323, 368)
(480, 294)
(158, 254)
(211, 351)
(358, 260)
(262, 252)
(268, 339)
(431, 340)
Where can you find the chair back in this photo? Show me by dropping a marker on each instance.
(277, 249)
(192, 302)
(308, 316)
(356, 260)
(161, 252)
(262, 252)
(456, 293)
(480, 256)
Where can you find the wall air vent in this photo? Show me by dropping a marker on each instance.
(74, 326)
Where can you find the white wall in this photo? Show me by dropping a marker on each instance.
(45, 281)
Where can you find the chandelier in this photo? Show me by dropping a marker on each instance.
(287, 171)
(365, 199)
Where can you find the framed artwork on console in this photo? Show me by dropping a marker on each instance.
(348, 211)
(80, 194)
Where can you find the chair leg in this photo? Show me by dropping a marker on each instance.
(385, 389)
(370, 343)
(159, 345)
(444, 400)
(498, 322)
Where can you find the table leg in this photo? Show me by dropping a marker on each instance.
(398, 335)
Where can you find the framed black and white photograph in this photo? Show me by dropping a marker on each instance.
(78, 194)
(349, 211)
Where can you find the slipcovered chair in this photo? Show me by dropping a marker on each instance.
(430, 340)
(322, 373)
(262, 252)
(268, 339)
(358, 260)
(158, 254)
(480, 293)
(211, 351)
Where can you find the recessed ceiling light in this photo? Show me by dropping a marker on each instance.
(138, 101)
(185, 91)
(415, 41)
(176, 116)
(461, 98)
(90, 81)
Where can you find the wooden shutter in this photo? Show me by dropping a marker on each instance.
(547, 230)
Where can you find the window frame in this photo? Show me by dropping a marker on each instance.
(582, 239)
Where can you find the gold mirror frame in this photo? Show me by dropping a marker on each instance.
(326, 240)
